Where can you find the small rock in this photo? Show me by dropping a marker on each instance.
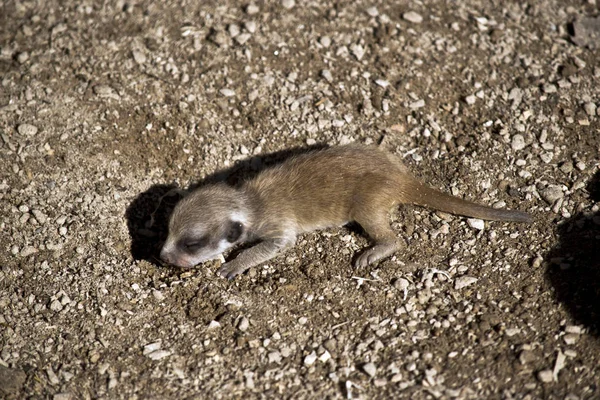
(370, 369)
(576, 329)
(243, 38)
(372, 11)
(549, 88)
(412, 16)
(23, 57)
(149, 348)
(545, 376)
(470, 100)
(551, 193)
(27, 129)
(464, 281)
(590, 109)
(382, 82)
(327, 75)
(326, 356)
(233, 30)
(27, 251)
(526, 356)
(518, 142)
(252, 9)
(571, 338)
(62, 396)
(476, 223)
(159, 354)
(417, 104)
(139, 57)
(288, 4)
(250, 26)
(103, 90)
(325, 41)
(39, 216)
(158, 295)
(214, 324)
(52, 376)
(274, 357)
(358, 51)
(227, 92)
(310, 359)
(244, 324)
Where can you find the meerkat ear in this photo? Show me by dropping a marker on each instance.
(235, 230)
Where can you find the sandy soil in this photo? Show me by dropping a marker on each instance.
(106, 106)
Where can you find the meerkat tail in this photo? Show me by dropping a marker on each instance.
(422, 195)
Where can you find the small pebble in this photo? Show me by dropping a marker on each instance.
(471, 99)
(476, 223)
(244, 324)
(274, 357)
(417, 104)
(545, 376)
(549, 88)
(413, 17)
(139, 57)
(310, 359)
(288, 4)
(327, 75)
(325, 41)
(227, 92)
(370, 369)
(571, 338)
(23, 57)
(372, 11)
(518, 142)
(464, 281)
(252, 9)
(27, 129)
(590, 109)
(250, 26)
(159, 354)
(358, 51)
(552, 193)
(576, 329)
(158, 295)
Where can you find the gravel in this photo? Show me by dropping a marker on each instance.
(498, 105)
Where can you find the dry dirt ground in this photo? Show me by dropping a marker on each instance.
(105, 106)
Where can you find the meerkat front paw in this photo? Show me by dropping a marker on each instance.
(230, 270)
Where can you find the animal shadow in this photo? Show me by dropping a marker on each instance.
(148, 214)
(574, 264)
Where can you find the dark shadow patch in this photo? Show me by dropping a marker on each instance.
(574, 264)
(148, 214)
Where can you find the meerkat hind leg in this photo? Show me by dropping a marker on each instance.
(379, 230)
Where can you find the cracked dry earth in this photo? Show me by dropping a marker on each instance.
(106, 106)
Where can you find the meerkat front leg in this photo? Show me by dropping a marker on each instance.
(255, 255)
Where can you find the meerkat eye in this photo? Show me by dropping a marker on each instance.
(234, 231)
(193, 244)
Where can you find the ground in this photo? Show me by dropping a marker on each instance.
(106, 106)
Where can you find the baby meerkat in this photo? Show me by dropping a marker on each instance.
(315, 190)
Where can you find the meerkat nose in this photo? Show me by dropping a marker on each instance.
(166, 256)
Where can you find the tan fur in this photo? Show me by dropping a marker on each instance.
(311, 191)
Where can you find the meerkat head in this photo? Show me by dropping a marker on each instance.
(204, 224)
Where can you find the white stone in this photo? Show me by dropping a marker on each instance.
(413, 17)
(464, 281)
